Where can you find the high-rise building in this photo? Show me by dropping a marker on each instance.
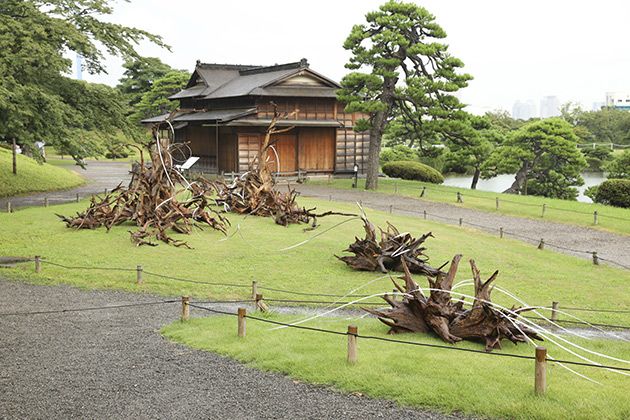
(618, 100)
(549, 107)
(524, 110)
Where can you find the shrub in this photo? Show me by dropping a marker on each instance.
(399, 152)
(619, 167)
(412, 170)
(615, 192)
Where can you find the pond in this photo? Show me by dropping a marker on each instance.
(502, 182)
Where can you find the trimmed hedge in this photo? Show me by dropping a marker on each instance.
(415, 171)
(615, 192)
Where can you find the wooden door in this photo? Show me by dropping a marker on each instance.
(285, 148)
(317, 149)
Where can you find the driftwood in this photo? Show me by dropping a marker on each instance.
(151, 202)
(391, 253)
(254, 192)
(438, 313)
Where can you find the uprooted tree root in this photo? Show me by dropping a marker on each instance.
(254, 192)
(438, 313)
(150, 201)
(390, 253)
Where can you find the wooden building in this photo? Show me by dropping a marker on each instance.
(232, 106)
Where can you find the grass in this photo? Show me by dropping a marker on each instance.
(253, 250)
(33, 177)
(450, 381)
(613, 219)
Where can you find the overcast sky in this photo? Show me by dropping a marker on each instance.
(515, 50)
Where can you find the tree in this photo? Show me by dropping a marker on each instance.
(619, 167)
(155, 101)
(502, 120)
(139, 76)
(38, 101)
(474, 147)
(545, 157)
(408, 73)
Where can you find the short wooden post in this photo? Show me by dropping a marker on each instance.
(38, 264)
(185, 308)
(497, 203)
(105, 191)
(254, 289)
(329, 180)
(540, 373)
(242, 316)
(77, 197)
(595, 258)
(501, 232)
(459, 197)
(390, 209)
(45, 201)
(425, 214)
(595, 217)
(544, 207)
(138, 274)
(9, 209)
(461, 220)
(422, 192)
(554, 311)
(395, 187)
(541, 245)
(352, 343)
(260, 304)
(329, 197)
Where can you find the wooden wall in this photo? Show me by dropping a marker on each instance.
(317, 149)
(308, 108)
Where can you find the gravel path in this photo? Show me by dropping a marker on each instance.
(114, 364)
(99, 174)
(609, 246)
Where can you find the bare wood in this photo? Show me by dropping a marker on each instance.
(595, 217)
(242, 316)
(138, 274)
(45, 201)
(38, 264)
(497, 203)
(185, 308)
(425, 214)
(353, 330)
(461, 221)
(540, 372)
(554, 311)
(391, 208)
(260, 304)
(595, 258)
(544, 207)
(501, 232)
(459, 197)
(9, 209)
(77, 197)
(254, 289)
(541, 244)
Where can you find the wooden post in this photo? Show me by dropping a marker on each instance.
(352, 344)
(425, 214)
(9, 210)
(541, 245)
(14, 150)
(395, 187)
(422, 192)
(595, 258)
(254, 289)
(459, 197)
(185, 308)
(105, 191)
(497, 203)
(554, 313)
(38, 264)
(242, 313)
(595, 217)
(139, 274)
(540, 372)
(544, 207)
(329, 197)
(501, 232)
(461, 220)
(260, 304)
(77, 197)
(45, 201)
(390, 209)
(329, 178)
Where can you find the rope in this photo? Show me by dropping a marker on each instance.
(81, 267)
(195, 281)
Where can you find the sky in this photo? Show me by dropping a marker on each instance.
(515, 50)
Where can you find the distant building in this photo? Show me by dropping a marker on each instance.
(524, 110)
(598, 105)
(618, 100)
(79, 66)
(549, 107)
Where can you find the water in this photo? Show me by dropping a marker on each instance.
(502, 182)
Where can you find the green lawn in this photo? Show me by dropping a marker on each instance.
(253, 251)
(33, 177)
(610, 218)
(419, 376)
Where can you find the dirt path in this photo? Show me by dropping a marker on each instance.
(115, 364)
(99, 175)
(567, 238)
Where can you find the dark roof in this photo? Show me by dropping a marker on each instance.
(212, 81)
(218, 115)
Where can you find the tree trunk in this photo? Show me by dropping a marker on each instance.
(520, 181)
(376, 133)
(14, 158)
(475, 179)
